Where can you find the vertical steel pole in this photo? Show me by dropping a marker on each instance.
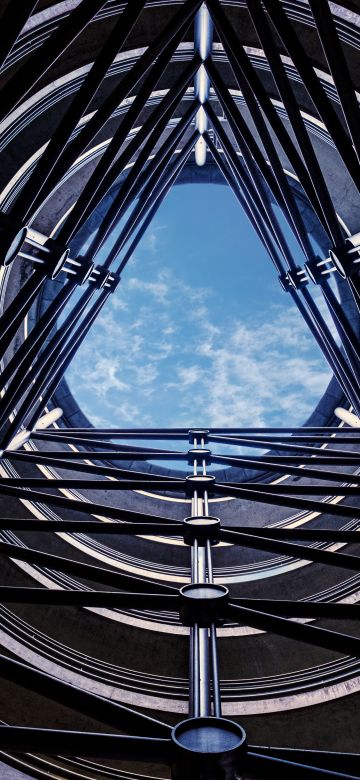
(199, 637)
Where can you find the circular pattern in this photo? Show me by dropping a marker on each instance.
(209, 736)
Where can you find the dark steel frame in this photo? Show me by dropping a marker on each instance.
(253, 168)
(155, 741)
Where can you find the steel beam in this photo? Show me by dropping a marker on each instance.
(93, 192)
(12, 22)
(278, 546)
(22, 739)
(329, 759)
(76, 505)
(145, 526)
(302, 632)
(83, 570)
(13, 316)
(153, 188)
(31, 192)
(142, 170)
(179, 21)
(287, 95)
(23, 381)
(273, 174)
(323, 507)
(303, 534)
(28, 75)
(265, 767)
(90, 598)
(300, 609)
(154, 202)
(311, 82)
(90, 704)
(255, 93)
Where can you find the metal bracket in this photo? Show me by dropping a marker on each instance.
(294, 279)
(198, 484)
(202, 604)
(346, 258)
(12, 236)
(202, 529)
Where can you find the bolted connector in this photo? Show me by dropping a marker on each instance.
(198, 434)
(12, 236)
(208, 747)
(202, 604)
(202, 529)
(199, 454)
(199, 484)
(346, 258)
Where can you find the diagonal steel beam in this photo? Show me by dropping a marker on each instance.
(249, 208)
(274, 466)
(91, 598)
(76, 505)
(311, 82)
(29, 349)
(264, 32)
(260, 442)
(141, 172)
(104, 710)
(313, 635)
(253, 195)
(28, 75)
(299, 609)
(273, 174)
(83, 570)
(31, 193)
(12, 22)
(23, 739)
(255, 95)
(93, 191)
(279, 546)
(323, 507)
(180, 21)
(154, 201)
(256, 765)
(151, 130)
(147, 525)
(343, 762)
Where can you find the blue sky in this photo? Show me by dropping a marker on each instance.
(199, 331)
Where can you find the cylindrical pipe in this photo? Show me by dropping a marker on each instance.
(215, 672)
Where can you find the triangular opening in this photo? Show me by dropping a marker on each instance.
(199, 327)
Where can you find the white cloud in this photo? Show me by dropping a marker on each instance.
(164, 358)
(158, 289)
(150, 240)
(189, 375)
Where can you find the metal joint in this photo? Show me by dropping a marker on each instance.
(112, 282)
(192, 757)
(84, 270)
(285, 282)
(314, 272)
(198, 434)
(99, 277)
(202, 529)
(51, 256)
(199, 484)
(12, 236)
(199, 454)
(202, 604)
(297, 277)
(346, 259)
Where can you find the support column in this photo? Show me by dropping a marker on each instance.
(205, 745)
